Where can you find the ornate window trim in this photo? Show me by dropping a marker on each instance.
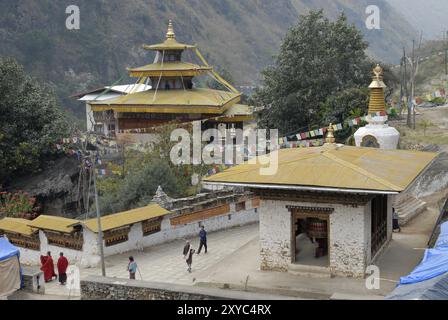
(116, 236)
(151, 226)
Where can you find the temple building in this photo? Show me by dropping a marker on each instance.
(377, 133)
(327, 209)
(172, 94)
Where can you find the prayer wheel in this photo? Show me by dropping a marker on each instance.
(317, 229)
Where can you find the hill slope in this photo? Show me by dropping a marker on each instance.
(241, 36)
(428, 15)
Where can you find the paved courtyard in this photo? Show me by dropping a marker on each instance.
(165, 263)
(233, 261)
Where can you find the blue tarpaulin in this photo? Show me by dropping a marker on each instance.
(429, 280)
(11, 277)
(7, 250)
(434, 263)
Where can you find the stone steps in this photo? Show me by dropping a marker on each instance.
(408, 208)
(309, 271)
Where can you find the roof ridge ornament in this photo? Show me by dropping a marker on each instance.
(330, 136)
(170, 33)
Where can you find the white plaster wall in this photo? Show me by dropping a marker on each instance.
(348, 238)
(29, 257)
(88, 257)
(89, 118)
(275, 235)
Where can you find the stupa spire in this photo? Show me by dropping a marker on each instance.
(377, 101)
(170, 33)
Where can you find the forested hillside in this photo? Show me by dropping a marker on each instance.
(240, 36)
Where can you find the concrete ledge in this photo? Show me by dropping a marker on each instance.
(33, 279)
(101, 288)
(346, 296)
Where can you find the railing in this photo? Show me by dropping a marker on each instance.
(442, 215)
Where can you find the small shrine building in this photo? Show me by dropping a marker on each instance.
(329, 208)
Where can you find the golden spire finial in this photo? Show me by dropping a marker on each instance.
(330, 136)
(170, 33)
(378, 71)
(377, 101)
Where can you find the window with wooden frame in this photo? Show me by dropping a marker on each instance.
(151, 226)
(116, 236)
(72, 240)
(29, 242)
(240, 206)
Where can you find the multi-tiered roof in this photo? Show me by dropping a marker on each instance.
(172, 87)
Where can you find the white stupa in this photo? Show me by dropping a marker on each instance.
(377, 134)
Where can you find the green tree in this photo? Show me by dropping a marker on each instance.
(340, 106)
(30, 122)
(318, 58)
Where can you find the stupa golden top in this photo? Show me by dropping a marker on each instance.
(377, 100)
(173, 95)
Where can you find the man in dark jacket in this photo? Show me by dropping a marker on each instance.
(202, 239)
(186, 249)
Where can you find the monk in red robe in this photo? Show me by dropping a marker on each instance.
(47, 267)
(62, 268)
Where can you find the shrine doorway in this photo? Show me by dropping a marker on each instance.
(310, 237)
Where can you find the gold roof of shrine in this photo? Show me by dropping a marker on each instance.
(197, 100)
(126, 218)
(333, 167)
(53, 223)
(169, 69)
(16, 225)
(170, 42)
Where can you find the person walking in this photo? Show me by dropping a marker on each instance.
(62, 268)
(190, 259)
(186, 249)
(202, 240)
(48, 267)
(132, 268)
(395, 224)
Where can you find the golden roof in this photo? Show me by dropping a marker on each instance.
(198, 100)
(53, 223)
(170, 43)
(16, 225)
(237, 113)
(126, 218)
(169, 69)
(334, 167)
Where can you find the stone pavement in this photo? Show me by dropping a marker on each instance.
(165, 263)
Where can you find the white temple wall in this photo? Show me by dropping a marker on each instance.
(275, 235)
(90, 255)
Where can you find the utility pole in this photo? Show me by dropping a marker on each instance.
(400, 104)
(445, 40)
(98, 217)
(411, 98)
(408, 119)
